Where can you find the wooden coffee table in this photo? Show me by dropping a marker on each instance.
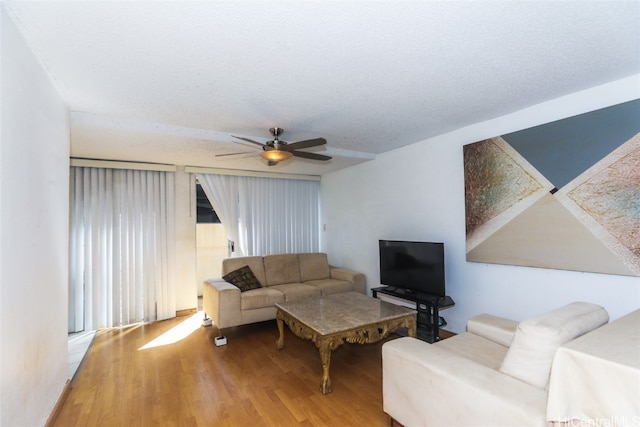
(351, 317)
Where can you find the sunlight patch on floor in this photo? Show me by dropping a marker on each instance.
(177, 333)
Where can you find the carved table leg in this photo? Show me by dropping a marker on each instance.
(325, 358)
(411, 327)
(280, 342)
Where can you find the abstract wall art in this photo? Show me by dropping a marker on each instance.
(563, 195)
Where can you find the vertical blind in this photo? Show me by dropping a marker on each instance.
(121, 248)
(266, 215)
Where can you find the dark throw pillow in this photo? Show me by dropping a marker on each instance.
(243, 278)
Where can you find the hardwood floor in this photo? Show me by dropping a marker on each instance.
(128, 380)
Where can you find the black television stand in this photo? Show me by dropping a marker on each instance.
(427, 305)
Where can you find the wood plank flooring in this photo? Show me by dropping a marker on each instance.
(128, 380)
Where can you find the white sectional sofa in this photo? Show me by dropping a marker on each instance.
(495, 374)
(283, 277)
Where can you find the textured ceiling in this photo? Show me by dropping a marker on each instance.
(171, 81)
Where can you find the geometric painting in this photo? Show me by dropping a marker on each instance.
(563, 195)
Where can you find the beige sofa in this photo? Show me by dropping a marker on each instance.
(495, 374)
(284, 277)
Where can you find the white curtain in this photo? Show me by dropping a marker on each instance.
(271, 216)
(122, 247)
(278, 215)
(222, 192)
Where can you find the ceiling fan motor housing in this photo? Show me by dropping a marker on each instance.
(276, 132)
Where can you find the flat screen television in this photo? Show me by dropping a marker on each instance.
(413, 266)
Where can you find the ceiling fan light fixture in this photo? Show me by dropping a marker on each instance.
(276, 155)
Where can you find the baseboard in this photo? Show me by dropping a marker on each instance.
(186, 312)
(58, 407)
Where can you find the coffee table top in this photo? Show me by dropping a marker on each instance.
(341, 312)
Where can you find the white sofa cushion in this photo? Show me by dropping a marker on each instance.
(536, 340)
(476, 348)
(494, 328)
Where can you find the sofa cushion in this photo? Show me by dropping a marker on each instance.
(476, 348)
(313, 266)
(536, 340)
(243, 278)
(281, 269)
(331, 286)
(254, 263)
(494, 328)
(259, 298)
(297, 291)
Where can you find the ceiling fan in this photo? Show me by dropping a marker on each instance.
(275, 151)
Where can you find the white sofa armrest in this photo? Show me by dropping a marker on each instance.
(420, 382)
(493, 328)
(357, 279)
(221, 302)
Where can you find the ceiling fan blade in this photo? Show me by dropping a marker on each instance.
(248, 140)
(234, 154)
(312, 156)
(307, 143)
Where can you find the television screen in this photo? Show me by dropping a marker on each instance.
(415, 266)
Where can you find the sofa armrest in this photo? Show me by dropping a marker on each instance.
(221, 302)
(493, 328)
(356, 279)
(425, 384)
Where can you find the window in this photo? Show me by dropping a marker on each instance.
(205, 212)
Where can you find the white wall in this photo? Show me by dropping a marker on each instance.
(212, 248)
(417, 193)
(34, 204)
